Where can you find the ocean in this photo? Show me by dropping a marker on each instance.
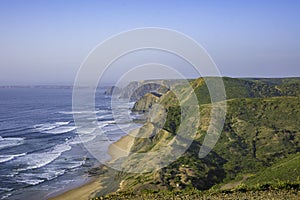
(40, 152)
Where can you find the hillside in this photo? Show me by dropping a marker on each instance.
(286, 169)
(269, 194)
(259, 142)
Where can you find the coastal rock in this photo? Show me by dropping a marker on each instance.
(129, 89)
(111, 90)
(136, 90)
(145, 102)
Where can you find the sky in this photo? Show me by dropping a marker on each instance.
(46, 41)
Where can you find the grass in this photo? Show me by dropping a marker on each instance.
(284, 170)
(260, 137)
(289, 190)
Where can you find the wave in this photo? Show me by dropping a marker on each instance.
(75, 164)
(103, 117)
(80, 112)
(36, 178)
(38, 160)
(6, 196)
(44, 127)
(51, 174)
(10, 142)
(61, 130)
(85, 131)
(103, 129)
(48, 174)
(106, 122)
(6, 189)
(31, 181)
(82, 139)
(12, 174)
(68, 112)
(54, 128)
(5, 158)
(104, 111)
(92, 130)
(62, 123)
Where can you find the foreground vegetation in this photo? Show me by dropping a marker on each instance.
(264, 191)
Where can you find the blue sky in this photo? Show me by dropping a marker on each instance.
(44, 42)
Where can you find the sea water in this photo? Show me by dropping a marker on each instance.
(40, 152)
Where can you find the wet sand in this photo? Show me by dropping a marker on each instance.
(83, 192)
(104, 183)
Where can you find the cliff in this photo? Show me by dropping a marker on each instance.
(260, 135)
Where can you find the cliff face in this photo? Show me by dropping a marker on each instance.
(257, 134)
(137, 89)
(146, 102)
(261, 129)
(234, 87)
(111, 90)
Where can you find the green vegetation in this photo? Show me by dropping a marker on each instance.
(285, 170)
(173, 119)
(288, 190)
(257, 151)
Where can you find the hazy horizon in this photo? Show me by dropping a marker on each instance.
(45, 42)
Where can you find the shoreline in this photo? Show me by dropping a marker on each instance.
(103, 183)
(82, 192)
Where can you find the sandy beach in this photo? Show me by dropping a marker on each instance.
(81, 193)
(104, 183)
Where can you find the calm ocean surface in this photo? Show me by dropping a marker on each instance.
(40, 152)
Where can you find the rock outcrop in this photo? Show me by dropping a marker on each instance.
(146, 102)
(111, 90)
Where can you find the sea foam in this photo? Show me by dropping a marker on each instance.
(10, 142)
(5, 158)
(38, 160)
(55, 128)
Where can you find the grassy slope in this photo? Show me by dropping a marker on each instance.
(286, 169)
(238, 88)
(257, 133)
(261, 129)
(270, 194)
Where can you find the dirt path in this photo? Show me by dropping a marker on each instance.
(232, 185)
